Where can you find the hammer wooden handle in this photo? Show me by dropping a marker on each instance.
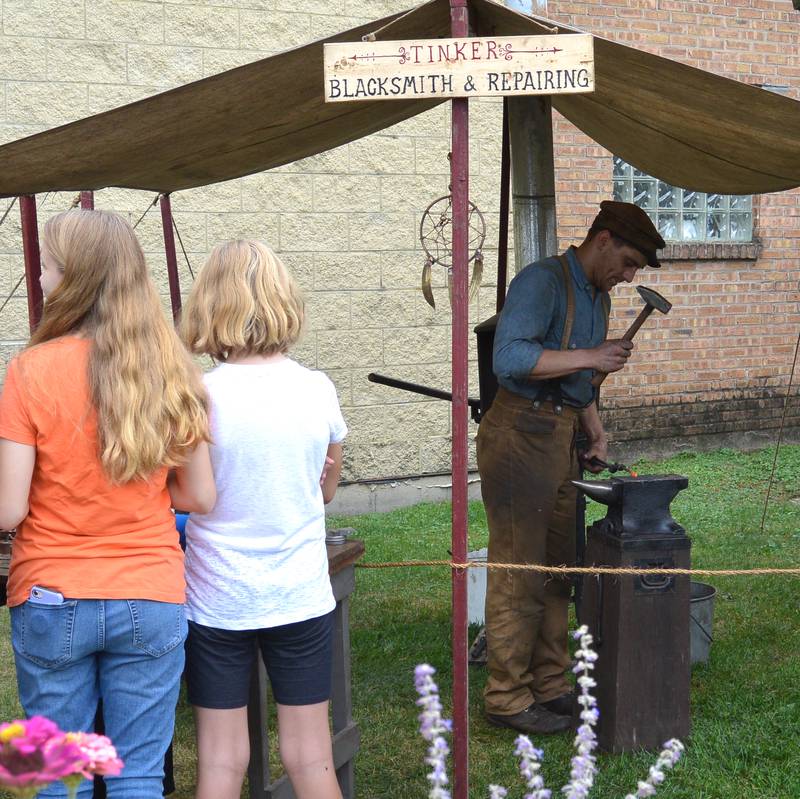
(599, 377)
(637, 323)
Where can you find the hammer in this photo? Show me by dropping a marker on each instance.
(653, 301)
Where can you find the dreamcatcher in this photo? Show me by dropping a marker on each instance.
(435, 235)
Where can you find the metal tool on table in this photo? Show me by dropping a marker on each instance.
(653, 301)
(338, 535)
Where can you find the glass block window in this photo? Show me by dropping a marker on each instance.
(684, 215)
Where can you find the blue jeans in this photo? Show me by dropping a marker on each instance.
(127, 652)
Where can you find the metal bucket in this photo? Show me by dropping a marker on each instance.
(476, 587)
(701, 621)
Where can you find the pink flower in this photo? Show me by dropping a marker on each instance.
(34, 753)
(101, 756)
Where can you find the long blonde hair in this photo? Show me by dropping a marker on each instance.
(150, 402)
(243, 302)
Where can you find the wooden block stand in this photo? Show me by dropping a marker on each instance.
(641, 631)
(5, 559)
(346, 735)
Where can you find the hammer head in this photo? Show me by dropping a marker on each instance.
(654, 299)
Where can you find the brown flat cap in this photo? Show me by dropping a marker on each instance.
(631, 223)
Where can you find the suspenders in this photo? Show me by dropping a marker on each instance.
(570, 317)
(551, 389)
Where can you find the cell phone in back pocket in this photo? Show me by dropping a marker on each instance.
(45, 596)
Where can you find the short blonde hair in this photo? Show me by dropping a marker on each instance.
(243, 302)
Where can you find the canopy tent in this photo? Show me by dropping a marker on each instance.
(675, 122)
(678, 123)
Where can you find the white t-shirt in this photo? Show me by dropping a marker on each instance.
(259, 559)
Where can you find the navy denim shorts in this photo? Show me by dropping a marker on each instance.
(298, 658)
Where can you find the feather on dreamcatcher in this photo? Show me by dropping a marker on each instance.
(435, 235)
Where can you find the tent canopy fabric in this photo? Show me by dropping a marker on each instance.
(686, 126)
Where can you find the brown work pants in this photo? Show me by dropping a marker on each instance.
(526, 458)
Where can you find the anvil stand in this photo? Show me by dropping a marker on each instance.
(640, 623)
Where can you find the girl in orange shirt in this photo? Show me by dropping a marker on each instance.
(103, 428)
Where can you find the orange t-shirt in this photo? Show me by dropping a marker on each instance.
(83, 536)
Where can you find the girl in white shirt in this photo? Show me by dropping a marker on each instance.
(256, 566)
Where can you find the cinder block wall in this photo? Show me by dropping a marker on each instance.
(720, 362)
(346, 222)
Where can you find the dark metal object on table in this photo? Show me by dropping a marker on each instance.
(640, 623)
(338, 535)
(653, 301)
(346, 735)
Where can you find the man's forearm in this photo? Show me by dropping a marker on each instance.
(592, 425)
(596, 438)
(610, 356)
(557, 363)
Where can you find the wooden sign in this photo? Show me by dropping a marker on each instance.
(474, 67)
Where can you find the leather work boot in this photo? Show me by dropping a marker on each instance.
(533, 720)
(563, 705)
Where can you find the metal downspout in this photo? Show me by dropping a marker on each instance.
(533, 171)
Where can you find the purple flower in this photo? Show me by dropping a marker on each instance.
(668, 757)
(431, 727)
(529, 764)
(584, 764)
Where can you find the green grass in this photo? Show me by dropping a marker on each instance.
(745, 701)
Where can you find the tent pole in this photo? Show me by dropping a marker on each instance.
(459, 179)
(87, 200)
(172, 258)
(505, 187)
(30, 251)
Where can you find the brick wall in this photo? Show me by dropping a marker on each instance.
(720, 361)
(346, 221)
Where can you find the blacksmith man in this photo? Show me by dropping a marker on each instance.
(550, 340)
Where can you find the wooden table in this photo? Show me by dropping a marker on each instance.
(346, 735)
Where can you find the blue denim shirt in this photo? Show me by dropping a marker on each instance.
(533, 319)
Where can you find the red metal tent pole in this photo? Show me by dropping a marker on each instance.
(87, 200)
(33, 264)
(459, 178)
(172, 257)
(505, 191)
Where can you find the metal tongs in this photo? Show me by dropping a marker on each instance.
(611, 467)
